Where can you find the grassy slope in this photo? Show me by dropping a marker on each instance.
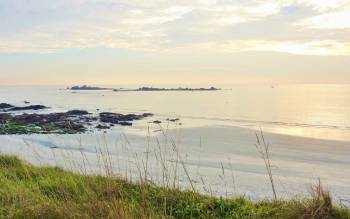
(33, 192)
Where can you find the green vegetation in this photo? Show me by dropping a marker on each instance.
(46, 192)
(9, 127)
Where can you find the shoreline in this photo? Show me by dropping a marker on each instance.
(300, 161)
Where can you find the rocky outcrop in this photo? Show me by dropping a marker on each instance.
(73, 121)
(116, 118)
(31, 107)
(77, 112)
(5, 106)
(4, 117)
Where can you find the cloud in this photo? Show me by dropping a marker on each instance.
(163, 25)
(313, 48)
(324, 5)
(228, 14)
(332, 14)
(339, 19)
(157, 17)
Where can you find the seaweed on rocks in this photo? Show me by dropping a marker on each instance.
(70, 122)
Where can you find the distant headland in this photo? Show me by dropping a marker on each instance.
(168, 89)
(85, 87)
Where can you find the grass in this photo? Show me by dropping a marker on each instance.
(48, 192)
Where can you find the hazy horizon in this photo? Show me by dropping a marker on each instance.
(176, 85)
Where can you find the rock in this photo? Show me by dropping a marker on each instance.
(5, 105)
(115, 117)
(70, 122)
(4, 117)
(29, 119)
(99, 126)
(26, 102)
(173, 120)
(125, 123)
(58, 120)
(157, 122)
(147, 114)
(130, 117)
(110, 117)
(31, 107)
(77, 112)
(70, 125)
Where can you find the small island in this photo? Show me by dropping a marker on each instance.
(168, 89)
(85, 87)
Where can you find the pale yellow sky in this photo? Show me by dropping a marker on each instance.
(167, 42)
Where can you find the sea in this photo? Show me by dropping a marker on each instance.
(212, 147)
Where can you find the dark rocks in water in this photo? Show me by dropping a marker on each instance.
(5, 106)
(93, 118)
(157, 122)
(31, 107)
(77, 112)
(125, 123)
(99, 126)
(4, 117)
(173, 120)
(116, 118)
(26, 102)
(110, 117)
(41, 118)
(30, 119)
(70, 125)
(52, 121)
(70, 122)
(9, 107)
(130, 117)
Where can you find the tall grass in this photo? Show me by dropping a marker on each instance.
(48, 192)
(263, 148)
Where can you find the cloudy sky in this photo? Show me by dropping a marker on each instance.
(174, 42)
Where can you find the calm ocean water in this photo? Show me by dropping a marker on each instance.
(316, 111)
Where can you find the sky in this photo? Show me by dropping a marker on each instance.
(205, 42)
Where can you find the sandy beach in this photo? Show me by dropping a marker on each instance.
(297, 162)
